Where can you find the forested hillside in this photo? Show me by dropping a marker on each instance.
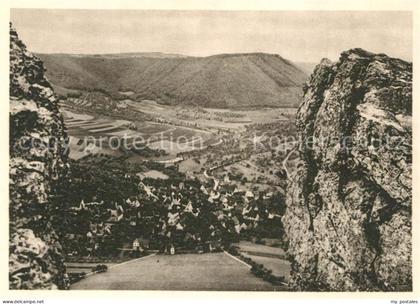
(227, 80)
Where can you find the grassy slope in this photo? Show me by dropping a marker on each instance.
(238, 80)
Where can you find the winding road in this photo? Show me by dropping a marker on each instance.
(284, 163)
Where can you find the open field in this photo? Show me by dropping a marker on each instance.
(101, 133)
(211, 271)
(211, 118)
(153, 174)
(194, 138)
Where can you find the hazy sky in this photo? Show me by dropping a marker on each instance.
(300, 36)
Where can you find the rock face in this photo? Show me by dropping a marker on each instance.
(38, 162)
(348, 218)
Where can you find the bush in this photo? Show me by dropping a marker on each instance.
(233, 250)
(260, 242)
(99, 268)
(258, 269)
(76, 277)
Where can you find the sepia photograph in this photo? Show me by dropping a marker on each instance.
(210, 150)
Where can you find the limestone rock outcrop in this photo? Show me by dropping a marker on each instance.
(38, 163)
(348, 218)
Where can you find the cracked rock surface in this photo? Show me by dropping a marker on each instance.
(348, 218)
(38, 162)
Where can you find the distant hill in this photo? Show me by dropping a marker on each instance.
(226, 80)
(123, 55)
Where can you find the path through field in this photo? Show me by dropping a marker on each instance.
(210, 271)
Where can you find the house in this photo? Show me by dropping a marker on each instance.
(249, 194)
(214, 245)
(140, 243)
(268, 195)
(136, 244)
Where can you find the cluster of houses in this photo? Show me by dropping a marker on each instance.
(169, 217)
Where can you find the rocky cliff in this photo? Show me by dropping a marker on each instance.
(38, 162)
(348, 218)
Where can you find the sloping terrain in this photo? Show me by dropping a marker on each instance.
(348, 218)
(210, 271)
(234, 80)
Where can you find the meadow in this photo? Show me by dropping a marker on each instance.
(95, 134)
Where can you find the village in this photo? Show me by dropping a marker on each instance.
(202, 199)
(170, 211)
(139, 209)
